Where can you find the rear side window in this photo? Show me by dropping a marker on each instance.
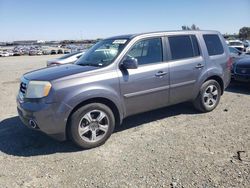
(184, 46)
(213, 43)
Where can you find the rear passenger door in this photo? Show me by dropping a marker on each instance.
(186, 66)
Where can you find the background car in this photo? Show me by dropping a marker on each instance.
(53, 52)
(32, 52)
(46, 52)
(247, 46)
(16, 53)
(248, 50)
(237, 44)
(4, 54)
(60, 51)
(68, 58)
(237, 54)
(241, 70)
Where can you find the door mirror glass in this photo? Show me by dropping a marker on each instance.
(130, 63)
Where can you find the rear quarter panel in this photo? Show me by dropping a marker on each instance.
(215, 65)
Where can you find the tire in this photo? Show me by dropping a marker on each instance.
(91, 125)
(208, 97)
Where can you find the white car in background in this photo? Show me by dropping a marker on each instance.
(247, 46)
(237, 44)
(4, 54)
(68, 58)
(248, 50)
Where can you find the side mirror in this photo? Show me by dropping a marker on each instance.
(130, 63)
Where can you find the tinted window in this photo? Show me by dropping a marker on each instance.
(147, 51)
(213, 43)
(183, 47)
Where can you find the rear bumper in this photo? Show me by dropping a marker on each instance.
(49, 118)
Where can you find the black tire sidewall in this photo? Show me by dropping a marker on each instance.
(76, 117)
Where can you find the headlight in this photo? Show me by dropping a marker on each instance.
(38, 89)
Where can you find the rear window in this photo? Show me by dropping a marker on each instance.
(183, 46)
(213, 43)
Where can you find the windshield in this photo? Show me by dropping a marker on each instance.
(103, 53)
(234, 50)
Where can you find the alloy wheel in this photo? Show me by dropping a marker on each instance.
(93, 126)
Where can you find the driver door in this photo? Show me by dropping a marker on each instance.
(146, 87)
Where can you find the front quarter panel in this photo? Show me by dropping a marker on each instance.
(79, 89)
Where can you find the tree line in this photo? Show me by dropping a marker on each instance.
(244, 32)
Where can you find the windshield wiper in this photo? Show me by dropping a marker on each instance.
(89, 64)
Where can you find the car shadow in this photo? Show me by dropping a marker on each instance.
(17, 140)
(146, 117)
(239, 87)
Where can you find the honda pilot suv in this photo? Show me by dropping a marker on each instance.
(122, 76)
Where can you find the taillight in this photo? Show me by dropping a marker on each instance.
(230, 63)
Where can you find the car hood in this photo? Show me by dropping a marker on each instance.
(55, 72)
(243, 63)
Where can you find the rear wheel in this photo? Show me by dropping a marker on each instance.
(209, 96)
(91, 125)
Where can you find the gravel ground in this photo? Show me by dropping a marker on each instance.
(170, 147)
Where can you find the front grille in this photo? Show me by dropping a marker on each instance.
(242, 70)
(23, 87)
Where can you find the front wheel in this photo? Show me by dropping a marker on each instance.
(91, 125)
(208, 97)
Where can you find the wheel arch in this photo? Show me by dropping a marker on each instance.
(102, 100)
(219, 80)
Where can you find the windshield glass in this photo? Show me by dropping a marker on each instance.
(233, 50)
(103, 53)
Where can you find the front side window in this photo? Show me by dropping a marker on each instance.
(103, 53)
(183, 46)
(213, 43)
(147, 51)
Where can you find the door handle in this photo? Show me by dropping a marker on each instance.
(199, 66)
(160, 73)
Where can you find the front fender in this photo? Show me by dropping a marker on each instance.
(77, 97)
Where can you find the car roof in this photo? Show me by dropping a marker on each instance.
(130, 36)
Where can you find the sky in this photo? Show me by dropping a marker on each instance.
(91, 19)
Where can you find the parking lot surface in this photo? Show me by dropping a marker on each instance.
(170, 147)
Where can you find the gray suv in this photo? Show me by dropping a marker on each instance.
(121, 76)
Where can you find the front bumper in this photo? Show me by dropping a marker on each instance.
(241, 77)
(50, 118)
